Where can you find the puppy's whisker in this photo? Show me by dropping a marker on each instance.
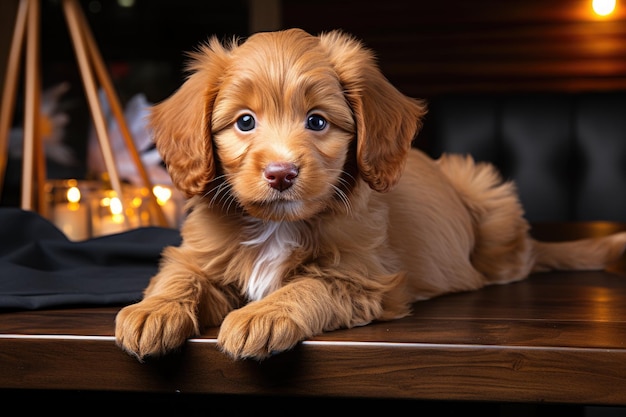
(345, 177)
(345, 182)
(343, 198)
(227, 199)
(218, 181)
(341, 195)
(217, 193)
(231, 200)
(221, 193)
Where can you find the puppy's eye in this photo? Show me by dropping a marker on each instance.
(245, 122)
(316, 122)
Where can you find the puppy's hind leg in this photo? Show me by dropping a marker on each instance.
(503, 250)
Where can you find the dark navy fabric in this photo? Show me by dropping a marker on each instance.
(40, 268)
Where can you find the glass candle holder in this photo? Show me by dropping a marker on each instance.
(111, 214)
(68, 207)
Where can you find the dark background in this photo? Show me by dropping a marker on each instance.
(427, 49)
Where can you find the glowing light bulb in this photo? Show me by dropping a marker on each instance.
(603, 7)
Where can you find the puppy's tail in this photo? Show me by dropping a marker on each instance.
(583, 254)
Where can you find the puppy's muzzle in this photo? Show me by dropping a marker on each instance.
(280, 175)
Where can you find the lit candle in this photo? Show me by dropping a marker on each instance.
(167, 203)
(110, 218)
(72, 216)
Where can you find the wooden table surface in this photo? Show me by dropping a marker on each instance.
(555, 337)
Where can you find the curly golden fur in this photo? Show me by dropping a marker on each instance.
(309, 210)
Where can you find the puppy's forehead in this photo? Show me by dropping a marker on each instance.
(290, 44)
(280, 54)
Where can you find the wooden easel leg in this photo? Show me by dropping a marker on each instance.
(87, 54)
(91, 91)
(118, 113)
(40, 158)
(32, 105)
(10, 85)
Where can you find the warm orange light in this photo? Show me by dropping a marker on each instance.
(162, 194)
(603, 7)
(73, 195)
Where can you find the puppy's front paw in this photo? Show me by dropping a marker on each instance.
(154, 327)
(256, 331)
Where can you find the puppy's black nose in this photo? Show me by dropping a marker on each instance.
(280, 175)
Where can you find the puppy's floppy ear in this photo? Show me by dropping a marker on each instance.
(181, 124)
(387, 120)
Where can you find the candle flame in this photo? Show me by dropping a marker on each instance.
(115, 205)
(162, 194)
(73, 195)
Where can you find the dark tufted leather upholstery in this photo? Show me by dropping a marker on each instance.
(566, 152)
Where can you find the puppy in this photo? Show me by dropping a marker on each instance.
(309, 210)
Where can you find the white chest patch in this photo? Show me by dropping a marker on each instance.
(276, 241)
